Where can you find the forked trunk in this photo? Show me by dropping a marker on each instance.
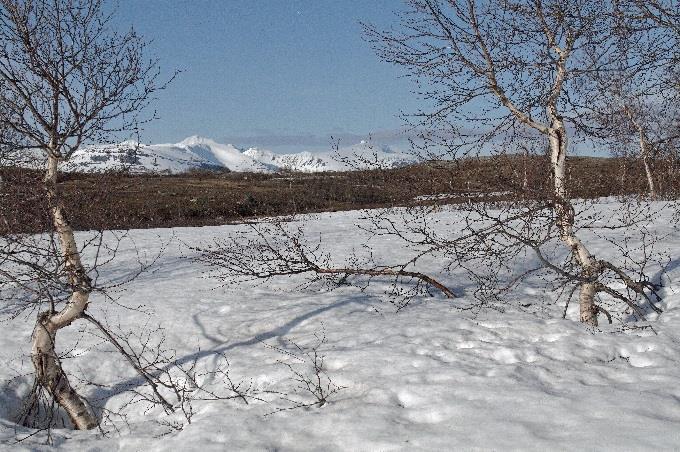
(49, 372)
(564, 217)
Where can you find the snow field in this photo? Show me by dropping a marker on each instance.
(429, 377)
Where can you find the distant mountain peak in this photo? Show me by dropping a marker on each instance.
(196, 152)
(194, 140)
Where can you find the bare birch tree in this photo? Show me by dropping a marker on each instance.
(512, 70)
(67, 79)
(499, 77)
(631, 103)
(665, 13)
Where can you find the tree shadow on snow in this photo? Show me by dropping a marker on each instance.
(663, 279)
(658, 276)
(102, 395)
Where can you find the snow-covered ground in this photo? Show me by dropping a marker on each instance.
(429, 377)
(203, 153)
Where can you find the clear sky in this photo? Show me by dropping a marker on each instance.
(273, 73)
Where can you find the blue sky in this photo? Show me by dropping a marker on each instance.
(275, 73)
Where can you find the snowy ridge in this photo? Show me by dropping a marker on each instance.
(191, 153)
(205, 154)
(358, 157)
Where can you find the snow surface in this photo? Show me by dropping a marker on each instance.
(203, 153)
(429, 377)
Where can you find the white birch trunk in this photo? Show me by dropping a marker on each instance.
(564, 218)
(645, 153)
(49, 372)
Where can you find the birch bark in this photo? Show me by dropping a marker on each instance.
(49, 372)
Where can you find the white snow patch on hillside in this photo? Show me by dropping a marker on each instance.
(429, 377)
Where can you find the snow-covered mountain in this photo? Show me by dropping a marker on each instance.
(192, 153)
(202, 153)
(360, 156)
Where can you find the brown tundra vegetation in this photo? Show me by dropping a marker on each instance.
(124, 201)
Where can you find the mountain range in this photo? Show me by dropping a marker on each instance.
(198, 153)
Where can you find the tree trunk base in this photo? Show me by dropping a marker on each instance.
(51, 376)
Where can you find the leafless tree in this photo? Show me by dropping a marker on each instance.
(270, 249)
(501, 77)
(665, 13)
(66, 79)
(314, 387)
(513, 70)
(631, 102)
